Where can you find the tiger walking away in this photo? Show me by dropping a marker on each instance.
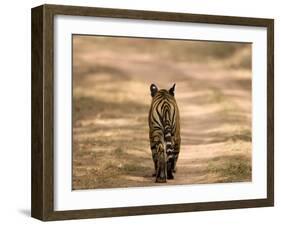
(164, 132)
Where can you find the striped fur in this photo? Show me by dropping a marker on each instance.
(164, 132)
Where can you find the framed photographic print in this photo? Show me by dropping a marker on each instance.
(141, 112)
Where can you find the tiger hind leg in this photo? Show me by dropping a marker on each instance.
(154, 157)
(176, 152)
(161, 170)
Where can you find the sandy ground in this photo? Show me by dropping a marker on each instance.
(111, 100)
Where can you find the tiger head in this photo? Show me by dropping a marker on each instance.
(154, 90)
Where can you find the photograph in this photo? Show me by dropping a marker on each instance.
(160, 112)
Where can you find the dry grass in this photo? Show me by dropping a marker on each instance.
(231, 169)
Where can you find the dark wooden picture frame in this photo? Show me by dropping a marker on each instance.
(42, 203)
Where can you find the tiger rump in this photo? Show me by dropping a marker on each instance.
(164, 132)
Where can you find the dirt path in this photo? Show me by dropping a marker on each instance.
(111, 102)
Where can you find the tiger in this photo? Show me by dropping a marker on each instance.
(164, 132)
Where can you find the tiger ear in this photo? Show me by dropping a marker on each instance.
(172, 90)
(153, 90)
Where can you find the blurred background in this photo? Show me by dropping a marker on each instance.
(111, 100)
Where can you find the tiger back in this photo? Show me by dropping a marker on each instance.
(164, 132)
